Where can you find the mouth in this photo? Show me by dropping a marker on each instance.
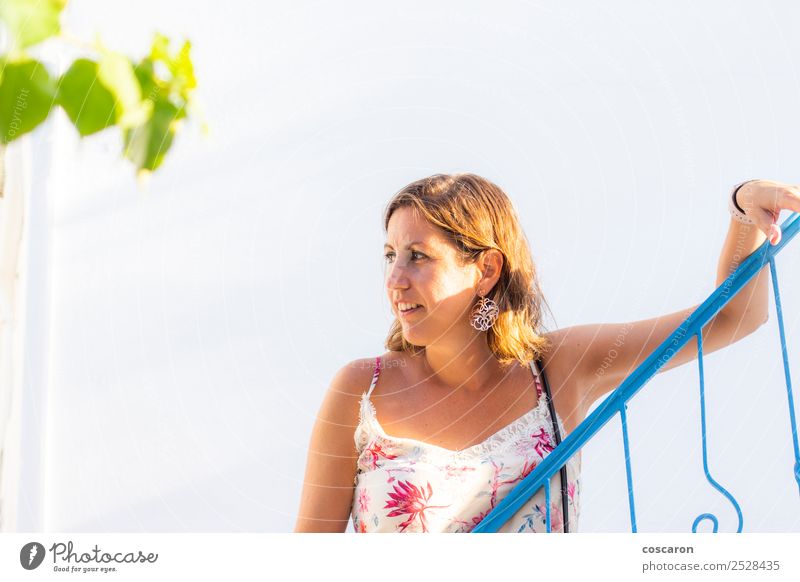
(405, 311)
(410, 312)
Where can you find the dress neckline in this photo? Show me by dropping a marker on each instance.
(489, 444)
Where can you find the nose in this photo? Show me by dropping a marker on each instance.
(396, 277)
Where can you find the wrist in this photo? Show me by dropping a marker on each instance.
(739, 200)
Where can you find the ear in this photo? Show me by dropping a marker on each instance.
(490, 266)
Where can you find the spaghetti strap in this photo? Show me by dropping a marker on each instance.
(536, 377)
(375, 376)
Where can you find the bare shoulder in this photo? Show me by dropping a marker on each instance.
(354, 378)
(565, 375)
(349, 382)
(563, 354)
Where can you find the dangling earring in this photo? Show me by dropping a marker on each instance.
(484, 314)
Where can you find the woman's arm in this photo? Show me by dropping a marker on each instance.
(762, 201)
(327, 495)
(604, 354)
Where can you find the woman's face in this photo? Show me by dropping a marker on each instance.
(422, 267)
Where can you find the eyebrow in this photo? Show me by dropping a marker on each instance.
(408, 246)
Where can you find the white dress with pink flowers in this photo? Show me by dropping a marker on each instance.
(406, 485)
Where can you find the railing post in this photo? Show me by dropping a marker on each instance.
(710, 479)
(624, 420)
(786, 373)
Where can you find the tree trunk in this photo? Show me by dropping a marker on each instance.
(11, 227)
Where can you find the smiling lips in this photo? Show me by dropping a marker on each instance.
(407, 312)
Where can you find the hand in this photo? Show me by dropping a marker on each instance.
(762, 202)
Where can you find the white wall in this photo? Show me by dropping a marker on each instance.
(196, 325)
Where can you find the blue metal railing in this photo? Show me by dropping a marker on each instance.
(616, 402)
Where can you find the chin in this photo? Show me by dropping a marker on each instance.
(413, 338)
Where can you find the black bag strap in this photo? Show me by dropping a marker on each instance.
(557, 433)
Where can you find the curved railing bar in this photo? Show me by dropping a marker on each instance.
(792, 420)
(710, 479)
(634, 382)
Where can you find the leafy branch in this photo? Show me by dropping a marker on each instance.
(147, 99)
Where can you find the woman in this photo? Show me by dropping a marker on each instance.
(431, 435)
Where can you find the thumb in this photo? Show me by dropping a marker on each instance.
(767, 222)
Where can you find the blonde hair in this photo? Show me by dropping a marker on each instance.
(476, 215)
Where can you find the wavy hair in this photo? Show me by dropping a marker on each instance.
(476, 215)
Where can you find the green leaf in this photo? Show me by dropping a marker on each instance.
(116, 73)
(88, 103)
(27, 94)
(160, 48)
(147, 144)
(179, 65)
(31, 21)
(184, 70)
(145, 73)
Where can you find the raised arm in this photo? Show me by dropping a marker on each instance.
(762, 202)
(606, 353)
(327, 495)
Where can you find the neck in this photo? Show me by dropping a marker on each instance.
(470, 366)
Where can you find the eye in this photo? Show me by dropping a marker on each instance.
(390, 255)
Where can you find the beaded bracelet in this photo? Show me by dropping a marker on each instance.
(736, 211)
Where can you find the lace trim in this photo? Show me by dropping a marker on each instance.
(539, 416)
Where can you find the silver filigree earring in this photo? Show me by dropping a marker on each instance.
(484, 314)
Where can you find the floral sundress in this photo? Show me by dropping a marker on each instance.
(406, 485)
